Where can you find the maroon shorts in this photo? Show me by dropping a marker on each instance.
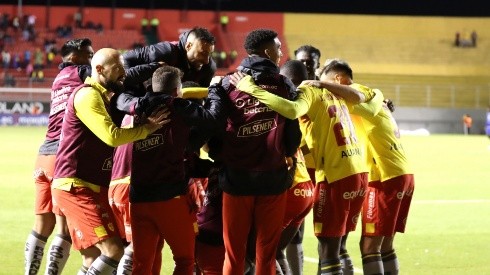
(299, 203)
(338, 204)
(119, 202)
(88, 214)
(386, 206)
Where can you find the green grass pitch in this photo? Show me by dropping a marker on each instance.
(448, 230)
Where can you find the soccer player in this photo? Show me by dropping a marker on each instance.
(160, 204)
(81, 177)
(256, 142)
(191, 54)
(300, 195)
(391, 184)
(75, 67)
(341, 171)
(310, 57)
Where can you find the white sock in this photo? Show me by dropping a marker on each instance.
(33, 253)
(103, 265)
(58, 254)
(125, 266)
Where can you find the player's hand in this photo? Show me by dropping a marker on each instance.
(236, 77)
(157, 119)
(196, 194)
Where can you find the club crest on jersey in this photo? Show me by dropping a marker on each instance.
(107, 164)
(257, 128)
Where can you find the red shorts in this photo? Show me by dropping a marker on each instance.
(171, 220)
(88, 214)
(299, 203)
(338, 204)
(44, 202)
(210, 258)
(386, 206)
(119, 202)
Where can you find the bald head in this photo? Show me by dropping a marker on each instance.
(105, 56)
(108, 70)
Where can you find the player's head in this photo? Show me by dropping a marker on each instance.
(167, 79)
(264, 43)
(77, 51)
(199, 47)
(310, 56)
(108, 70)
(336, 71)
(294, 70)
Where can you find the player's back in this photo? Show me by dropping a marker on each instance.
(333, 139)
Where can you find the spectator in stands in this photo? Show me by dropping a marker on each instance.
(50, 58)
(16, 62)
(233, 56)
(39, 75)
(224, 20)
(30, 71)
(4, 21)
(154, 23)
(38, 59)
(27, 57)
(474, 38)
(77, 17)
(467, 122)
(144, 25)
(16, 24)
(99, 28)
(6, 58)
(457, 39)
(9, 80)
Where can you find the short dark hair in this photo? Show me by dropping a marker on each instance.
(309, 49)
(257, 39)
(337, 65)
(165, 79)
(74, 46)
(294, 70)
(203, 34)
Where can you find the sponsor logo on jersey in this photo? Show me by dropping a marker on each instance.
(257, 128)
(149, 143)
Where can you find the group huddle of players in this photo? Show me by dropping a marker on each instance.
(150, 147)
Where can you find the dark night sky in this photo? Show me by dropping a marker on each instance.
(386, 7)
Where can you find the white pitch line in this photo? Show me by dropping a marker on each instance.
(315, 261)
(449, 201)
